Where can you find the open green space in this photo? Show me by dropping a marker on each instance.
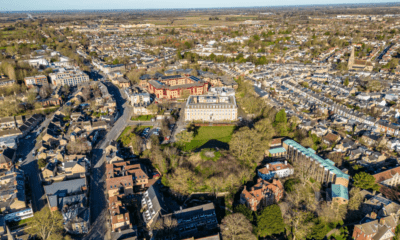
(222, 134)
(130, 132)
(143, 118)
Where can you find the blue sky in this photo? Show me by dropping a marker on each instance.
(27, 5)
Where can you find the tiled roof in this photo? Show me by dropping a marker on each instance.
(380, 177)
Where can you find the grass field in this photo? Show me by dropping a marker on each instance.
(218, 136)
(143, 118)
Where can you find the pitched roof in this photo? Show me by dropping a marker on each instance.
(380, 177)
(339, 191)
(65, 187)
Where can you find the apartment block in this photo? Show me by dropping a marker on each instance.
(70, 78)
(211, 108)
(172, 87)
(36, 80)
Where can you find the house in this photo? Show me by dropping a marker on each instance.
(330, 139)
(12, 191)
(50, 170)
(7, 158)
(120, 219)
(275, 170)
(58, 191)
(379, 204)
(388, 178)
(262, 194)
(7, 123)
(123, 176)
(373, 228)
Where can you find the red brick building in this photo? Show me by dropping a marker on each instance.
(262, 194)
(173, 87)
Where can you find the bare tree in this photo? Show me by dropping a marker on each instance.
(237, 227)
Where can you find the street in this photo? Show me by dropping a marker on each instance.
(97, 198)
(30, 168)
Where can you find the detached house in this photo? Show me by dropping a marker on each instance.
(262, 194)
(275, 170)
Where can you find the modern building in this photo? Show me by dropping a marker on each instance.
(38, 80)
(211, 108)
(197, 222)
(70, 78)
(275, 170)
(322, 170)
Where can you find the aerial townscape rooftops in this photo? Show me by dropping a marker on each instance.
(221, 122)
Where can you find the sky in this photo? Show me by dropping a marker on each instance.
(31, 5)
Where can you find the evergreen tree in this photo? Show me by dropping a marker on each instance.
(270, 221)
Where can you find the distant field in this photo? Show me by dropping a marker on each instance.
(221, 134)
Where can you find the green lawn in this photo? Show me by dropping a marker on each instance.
(126, 135)
(205, 134)
(143, 118)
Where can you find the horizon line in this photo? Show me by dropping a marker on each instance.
(203, 8)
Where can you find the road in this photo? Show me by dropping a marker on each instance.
(97, 198)
(30, 167)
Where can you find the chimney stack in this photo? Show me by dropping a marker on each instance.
(373, 215)
(252, 189)
(267, 166)
(285, 162)
(382, 221)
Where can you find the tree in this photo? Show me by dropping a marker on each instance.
(165, 227)
(364, 180)
(46, 224)
(356, 199)
(237, 227)
(346, 81)
(45, 91)
(245, 211)
(270, 221)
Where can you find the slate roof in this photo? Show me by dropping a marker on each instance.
(65, 187)
(7, 155)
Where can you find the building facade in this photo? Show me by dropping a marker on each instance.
(173, 87)
(211, 108)
(70, 78)
(275, 170)
(36, 80)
